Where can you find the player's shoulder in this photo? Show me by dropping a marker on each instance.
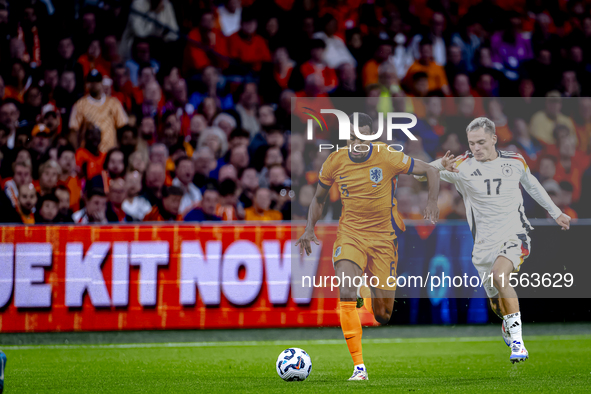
(465, 158)
(511, 156)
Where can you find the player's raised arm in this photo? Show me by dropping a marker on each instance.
(431, 212)
(314, 214)
(536, 190)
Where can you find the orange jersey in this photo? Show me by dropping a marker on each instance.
(367, 190)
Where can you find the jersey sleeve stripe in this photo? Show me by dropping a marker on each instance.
(324, 185)
(412, 164)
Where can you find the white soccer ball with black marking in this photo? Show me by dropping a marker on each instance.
(294, 364)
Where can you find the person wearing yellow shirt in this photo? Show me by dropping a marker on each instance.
(543, 122)
(260, 208)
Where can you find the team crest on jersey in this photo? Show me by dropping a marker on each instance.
(337, 252)
(507, 170)
(375, 174)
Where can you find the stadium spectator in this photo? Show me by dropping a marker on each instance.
(543, 122)
(155, 178)
(204, 163)
(48, 209)
(116, 196)
(437, 27)
(89, 158)
(185, 172)
(48, 177)
(336, 52)
(64, 211)
(207, 210)
(206, 45)
(135, 205)
(246, 45)
(211, 87)
(105, 112)
(260, 209)
(246, 107)
(215, 139)
(67, 161)
(425, 63)
(27, 199)
(9, 118)
(571, 163)
(162, 23)
(230, 15)
(225, 122)
(249, 183)
(22, 176)
(510, 48)
(113, 167)
(95, 209)
(92, 59)
(228, 208)
(566, 199)
(316, 65)
(168, 208)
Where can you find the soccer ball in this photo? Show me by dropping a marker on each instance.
(294, 364)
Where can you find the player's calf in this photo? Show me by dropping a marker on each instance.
(382, 309)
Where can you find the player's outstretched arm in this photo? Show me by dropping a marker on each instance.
(446, 163)
(314, 214)
(533, 187)
(431, 212)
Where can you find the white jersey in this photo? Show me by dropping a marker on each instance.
(493, 199)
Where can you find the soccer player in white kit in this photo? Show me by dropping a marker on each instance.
(488, 180)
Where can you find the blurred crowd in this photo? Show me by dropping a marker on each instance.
(171, 110)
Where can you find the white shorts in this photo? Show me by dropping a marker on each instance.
(516, 248)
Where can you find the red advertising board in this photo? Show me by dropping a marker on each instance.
(86, 278)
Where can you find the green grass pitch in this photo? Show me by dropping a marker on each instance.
(467, 364)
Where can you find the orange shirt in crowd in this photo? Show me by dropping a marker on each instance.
(253, 52)
(102, 66)
(435, 75)
(328, 74)
(196, 58)
(27, 219)
(94, 164)
(270, 214)
(369, 73)
(13, 93)
(579, 163)
(570, 212)
(75, 186)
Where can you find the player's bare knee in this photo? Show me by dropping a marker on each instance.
(348, 293)
(500, 278)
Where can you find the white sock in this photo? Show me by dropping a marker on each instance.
(362, 366)
(513, 325)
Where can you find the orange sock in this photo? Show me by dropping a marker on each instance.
(352, 331)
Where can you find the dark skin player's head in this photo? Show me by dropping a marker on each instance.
(359, 148)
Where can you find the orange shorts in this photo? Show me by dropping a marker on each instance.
(376, 258)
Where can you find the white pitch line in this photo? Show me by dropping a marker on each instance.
(288, 342)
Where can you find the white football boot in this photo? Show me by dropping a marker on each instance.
(506, 334)
(518, 352)
(359, 373)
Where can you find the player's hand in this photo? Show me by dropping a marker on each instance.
(431, 212)
(563, 221)
(449, 162)
(305, 242)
